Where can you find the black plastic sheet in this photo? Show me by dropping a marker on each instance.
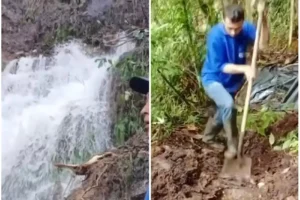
(277, 87)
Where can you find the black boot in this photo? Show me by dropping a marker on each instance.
(231, 131)
(235, 130)
(211, 130)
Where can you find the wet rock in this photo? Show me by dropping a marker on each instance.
(261, 184)
(291, 198)
(240, 194)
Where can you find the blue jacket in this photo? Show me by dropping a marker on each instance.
(223, 49)
(147, 195)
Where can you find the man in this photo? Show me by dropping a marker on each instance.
(224, 69)
(141, 85)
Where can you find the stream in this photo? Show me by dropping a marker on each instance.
(54, 109)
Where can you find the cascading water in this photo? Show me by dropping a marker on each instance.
(56, 109)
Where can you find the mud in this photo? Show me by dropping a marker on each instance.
(282, 127)
(185, 168)
(120, 173)
(31, 27)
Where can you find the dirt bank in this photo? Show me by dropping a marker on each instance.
(32, 27)
(186, 168)
(120, 173)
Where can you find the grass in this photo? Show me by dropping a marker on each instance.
(176, 61)
(178, 36)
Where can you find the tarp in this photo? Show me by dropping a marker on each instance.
(277, 87)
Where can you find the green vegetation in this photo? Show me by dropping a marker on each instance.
(178, 35)
(130, 103)
(262, 120)
(290, 142)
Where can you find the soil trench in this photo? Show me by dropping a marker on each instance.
(186, 168)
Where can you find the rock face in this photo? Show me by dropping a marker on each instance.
(32, 25)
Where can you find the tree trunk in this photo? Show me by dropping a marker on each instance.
(248, 9)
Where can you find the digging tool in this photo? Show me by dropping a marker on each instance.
(240, 167)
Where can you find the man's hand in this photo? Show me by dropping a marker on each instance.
(249, 72)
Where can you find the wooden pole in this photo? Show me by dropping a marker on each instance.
(292, 12)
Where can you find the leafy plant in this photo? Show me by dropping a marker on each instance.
(135, 63)
(288, 143)
(261, 120)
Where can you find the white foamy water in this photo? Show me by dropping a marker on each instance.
(56, 109)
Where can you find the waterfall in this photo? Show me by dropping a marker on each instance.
(54, 109)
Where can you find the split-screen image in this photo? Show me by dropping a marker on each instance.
(149, 99)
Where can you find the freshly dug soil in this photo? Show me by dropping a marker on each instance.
(285, 125)
(185, 168)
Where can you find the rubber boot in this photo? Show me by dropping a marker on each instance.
(231, 131)
(211, 130)
(235, 131)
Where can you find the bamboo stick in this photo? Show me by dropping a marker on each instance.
(292, 12)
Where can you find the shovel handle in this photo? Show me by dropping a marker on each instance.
(250, 82)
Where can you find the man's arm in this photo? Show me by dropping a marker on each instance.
(234, 69)
(216, 57)
(239, 69)
(215, 51)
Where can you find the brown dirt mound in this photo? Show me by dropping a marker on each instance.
(186, 168)
(121, 173)
(285, 125)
